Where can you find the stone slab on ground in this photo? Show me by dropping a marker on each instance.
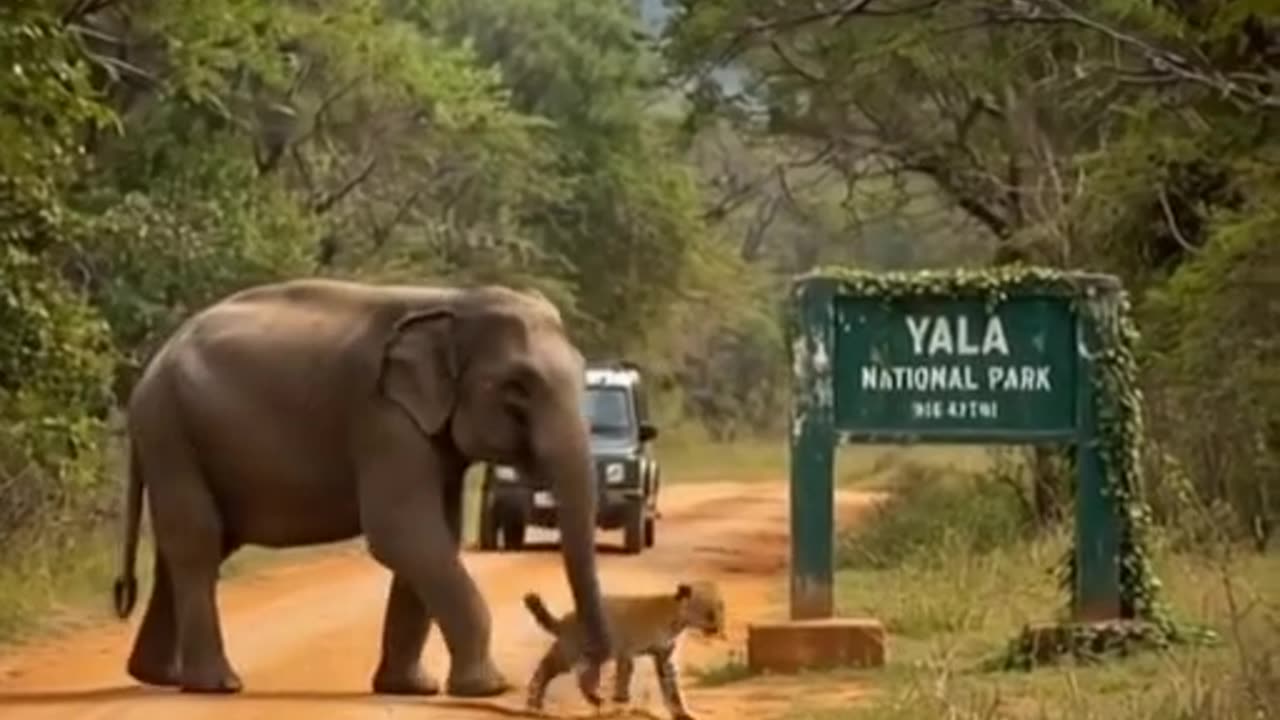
(793, 645)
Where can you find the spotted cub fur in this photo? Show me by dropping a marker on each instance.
(639, 625)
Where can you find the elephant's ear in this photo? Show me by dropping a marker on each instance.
(420, 368)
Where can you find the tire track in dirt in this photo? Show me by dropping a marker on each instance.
(304, 637)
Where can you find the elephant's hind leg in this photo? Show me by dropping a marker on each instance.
(154, 660)
(203, 661)
(404, 634)
(188, 532)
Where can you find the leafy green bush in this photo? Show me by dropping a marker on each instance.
(55, 353)
(55, 366)
(930, 511)
(204, 229)
(1213, 354)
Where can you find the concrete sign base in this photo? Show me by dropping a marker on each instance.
(793, 645)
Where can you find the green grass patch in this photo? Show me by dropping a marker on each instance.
(689, 455)
(953, 571)
(42, 582)
(930, 520)
(753, 460)
(730, 670)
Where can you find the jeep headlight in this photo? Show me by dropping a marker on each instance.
(502, 472)
(614, 473)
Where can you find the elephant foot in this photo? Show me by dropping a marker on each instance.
(480, 680)
(150, 674)
(415, 681)
(212, 682)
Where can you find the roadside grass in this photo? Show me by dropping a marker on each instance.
(689, 455)
(954, 579)
(45, 587)
(946, 621)
(52, 590)
(733, 669)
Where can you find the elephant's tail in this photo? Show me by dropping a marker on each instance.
(539, 611)
(125, 590)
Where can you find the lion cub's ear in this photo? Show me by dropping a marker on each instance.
(683, 591)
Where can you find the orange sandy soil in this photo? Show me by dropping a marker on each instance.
(304, 636)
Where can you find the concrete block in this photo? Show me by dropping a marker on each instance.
(794, 645)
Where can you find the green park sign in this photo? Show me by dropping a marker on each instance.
(1008, 356)
(955, 369)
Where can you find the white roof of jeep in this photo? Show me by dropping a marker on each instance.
(612, 376)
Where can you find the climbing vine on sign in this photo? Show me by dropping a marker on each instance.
(1116, 396)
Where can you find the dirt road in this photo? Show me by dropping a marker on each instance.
(304, 637)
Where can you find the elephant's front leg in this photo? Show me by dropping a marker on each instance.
(407, 622)
(406, 525)
(404, 635)
(431, 566)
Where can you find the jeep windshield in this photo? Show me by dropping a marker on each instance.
(609, 412)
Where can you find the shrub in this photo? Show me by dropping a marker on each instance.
(972, 514)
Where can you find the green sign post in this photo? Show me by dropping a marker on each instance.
(948, 358)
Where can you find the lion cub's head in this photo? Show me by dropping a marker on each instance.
(701, 607)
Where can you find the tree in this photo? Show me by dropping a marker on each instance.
(628, 228)
(55, 358)
(1124, 136)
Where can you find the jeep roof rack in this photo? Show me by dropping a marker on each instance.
(616, 363)
(598, 375)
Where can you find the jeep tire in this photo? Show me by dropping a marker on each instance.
(512, 531)
(488, 525)
(633, 535)
(649, 530)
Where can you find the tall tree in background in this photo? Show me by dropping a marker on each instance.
(629, 221)
(1128, 136)
(156, 156)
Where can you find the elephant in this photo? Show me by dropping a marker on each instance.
(317, 410)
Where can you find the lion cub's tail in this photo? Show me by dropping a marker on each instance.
(539, 611)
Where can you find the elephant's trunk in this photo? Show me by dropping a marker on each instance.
(565, 459)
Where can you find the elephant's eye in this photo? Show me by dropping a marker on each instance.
(514, 390)
(517, 385)
(519, 415)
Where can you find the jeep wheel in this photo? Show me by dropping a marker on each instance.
(512, 532)
(633, 529)
(488, 529)
(649, 530)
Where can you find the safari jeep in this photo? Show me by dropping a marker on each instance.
(627, 475)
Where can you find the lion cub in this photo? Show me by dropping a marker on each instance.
(640, 625)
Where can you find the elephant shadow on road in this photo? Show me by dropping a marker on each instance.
(138, 693)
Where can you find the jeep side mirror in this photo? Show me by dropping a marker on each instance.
(647, 432)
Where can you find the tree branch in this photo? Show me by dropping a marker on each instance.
(981, 211)
(327, 201)
(1172, 222)
(785, 56)
(83, 8)
(317, 118)
(754, 26)
(381, 231)
(1164, 63)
